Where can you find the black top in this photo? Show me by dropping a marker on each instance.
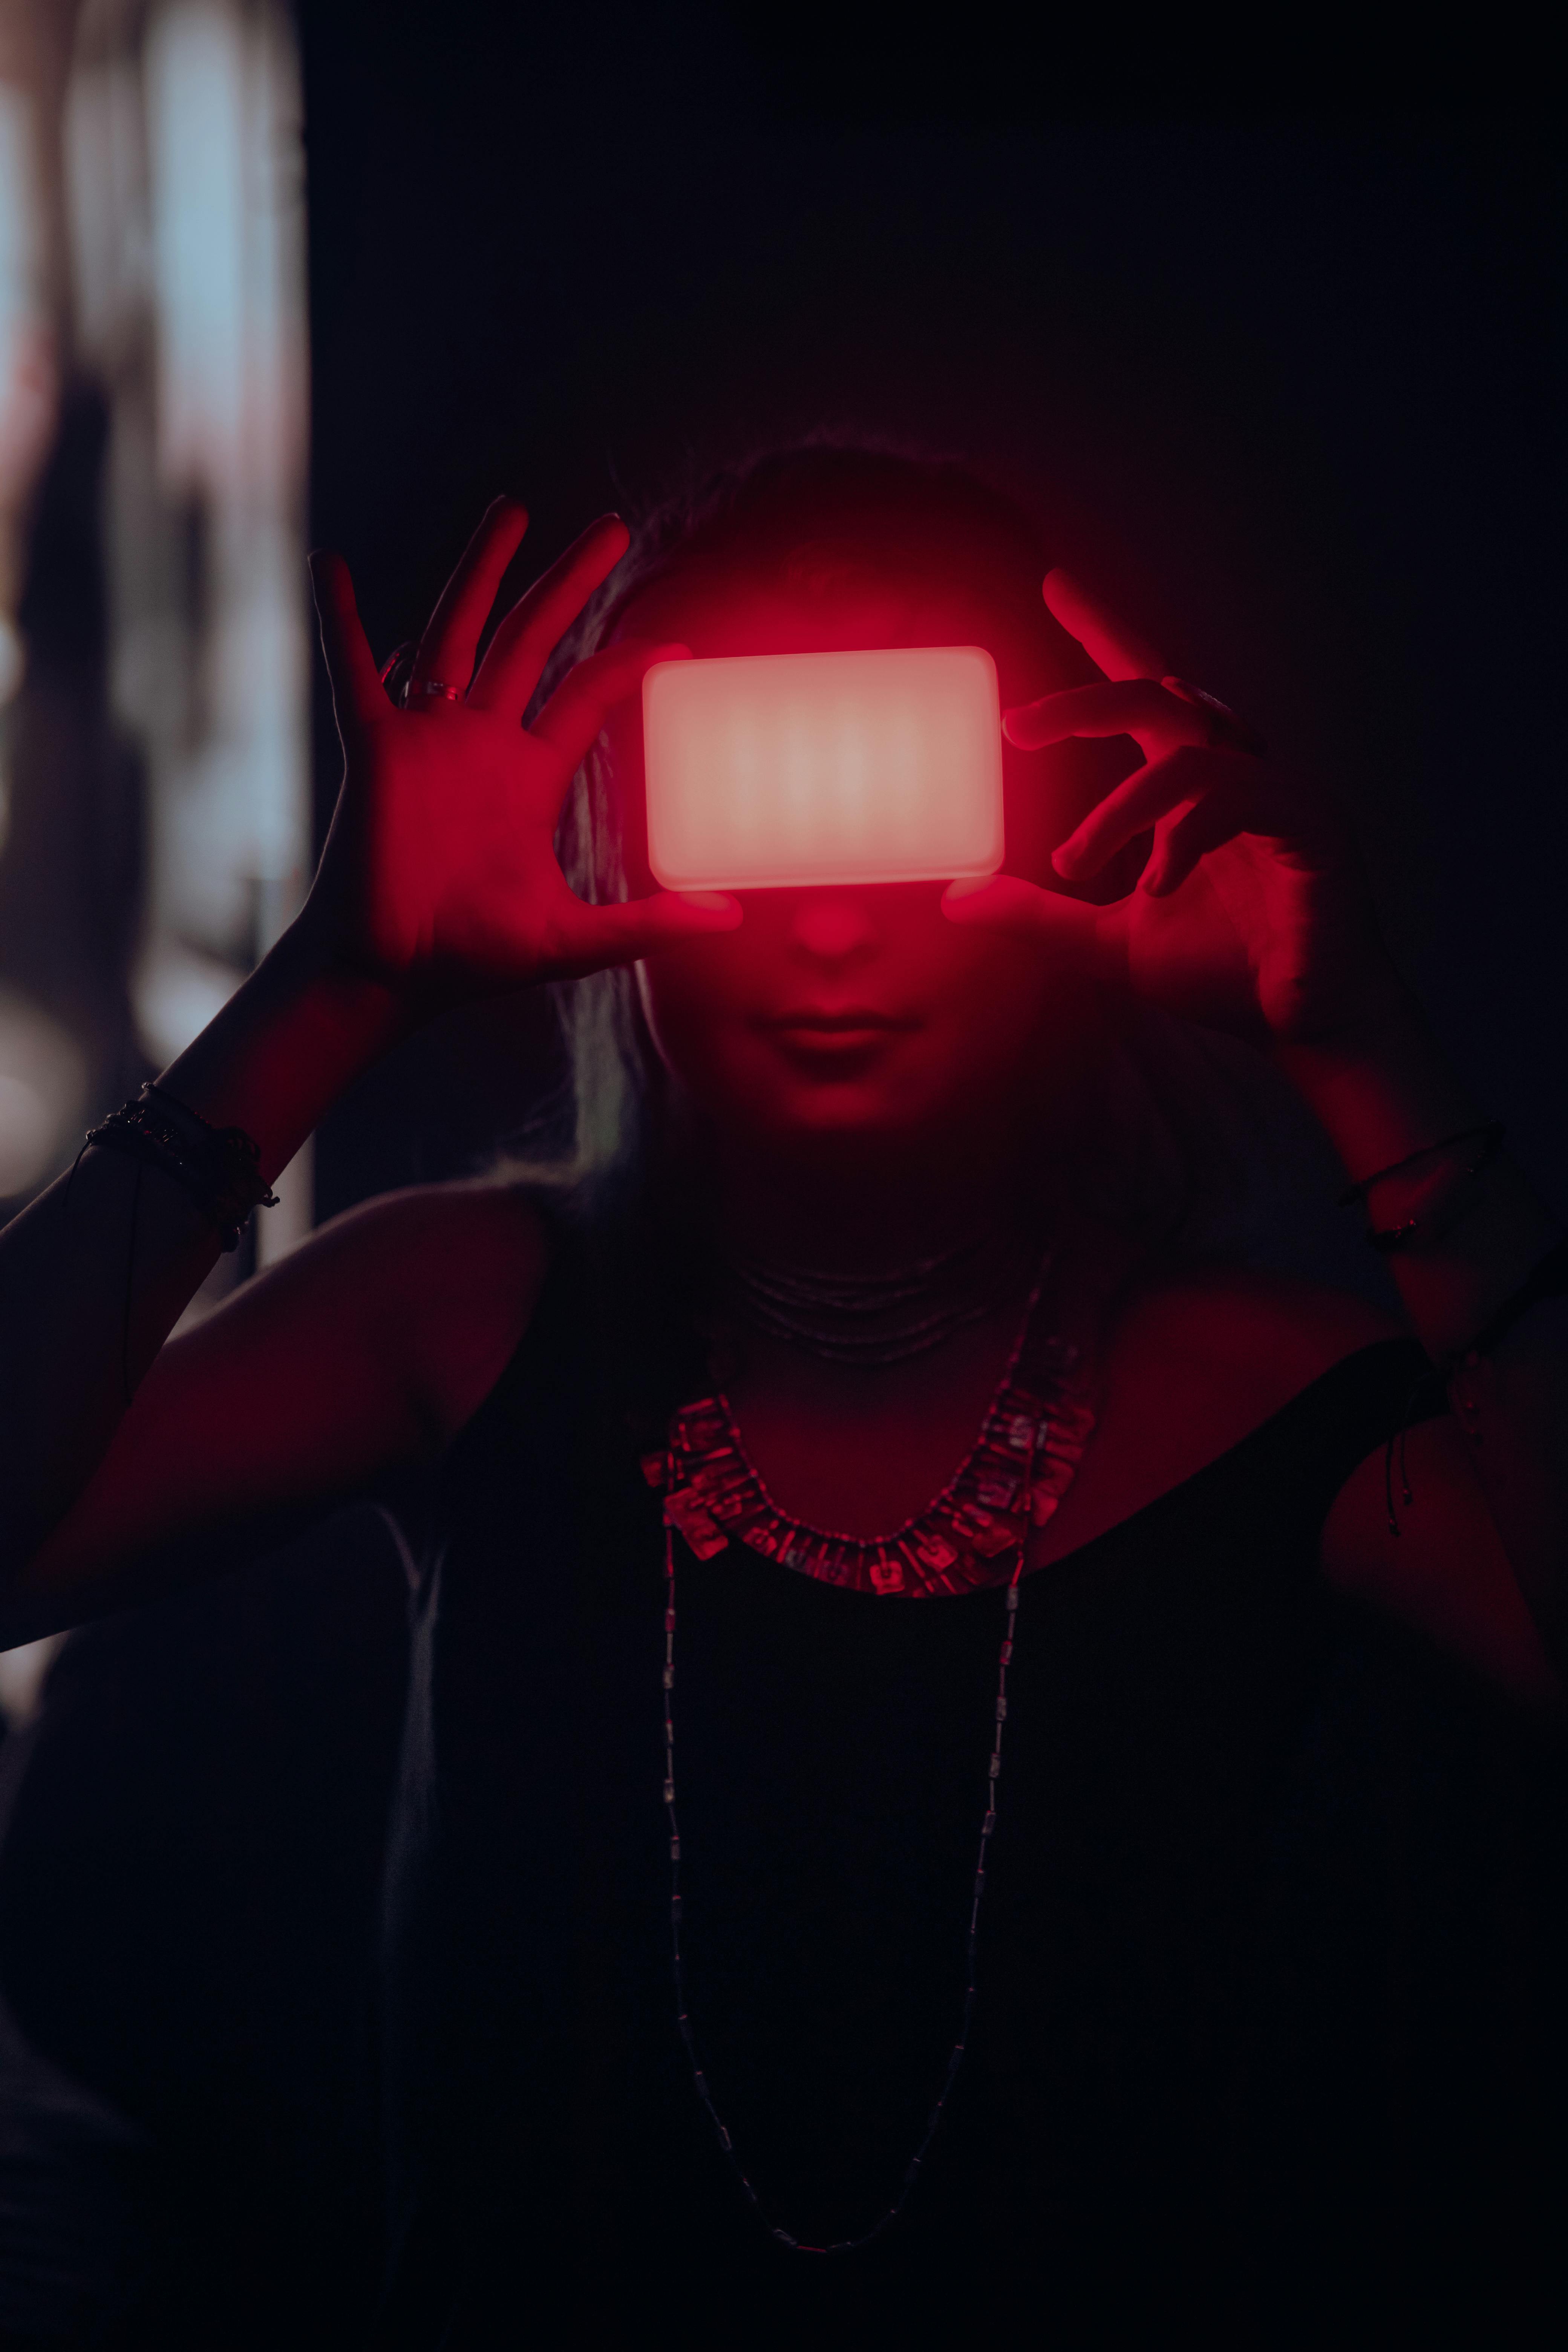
(1140, 2127)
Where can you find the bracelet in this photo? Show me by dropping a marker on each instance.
(219, 1167)
(1548, 1280)
(1491, 1131)
(1449, 1194)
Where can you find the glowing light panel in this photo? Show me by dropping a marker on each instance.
(773, 769)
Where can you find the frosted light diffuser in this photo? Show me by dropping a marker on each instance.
(772, 769)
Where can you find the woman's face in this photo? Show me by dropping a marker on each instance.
(856, 1012)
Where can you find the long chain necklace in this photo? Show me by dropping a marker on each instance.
(1028, 1445)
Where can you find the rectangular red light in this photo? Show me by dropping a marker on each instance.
(772, 769)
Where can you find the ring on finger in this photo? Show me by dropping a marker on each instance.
(1227, 732)
(433, 687)
(396, 671)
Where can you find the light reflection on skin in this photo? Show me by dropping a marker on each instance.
(859, 1015)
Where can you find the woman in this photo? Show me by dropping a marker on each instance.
(903, 1891)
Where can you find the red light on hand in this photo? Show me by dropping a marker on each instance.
(785, 769)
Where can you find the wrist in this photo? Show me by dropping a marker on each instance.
(296, 1033)
(1381, 1084)
(309, 964)
(1387, 1094)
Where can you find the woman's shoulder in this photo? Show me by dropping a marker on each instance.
(455, 1271)
(469, 1236)
(1206, 1357)
(1251, 1330)
(1197, 1359)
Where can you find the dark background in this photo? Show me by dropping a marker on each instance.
(1273, 347)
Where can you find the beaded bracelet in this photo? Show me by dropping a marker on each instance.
(219, 1167)
(1448, 1195)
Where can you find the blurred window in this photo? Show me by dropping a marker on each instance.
(184, 196)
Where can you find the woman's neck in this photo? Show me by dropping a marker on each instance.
(880, 1285)
(875, 1211)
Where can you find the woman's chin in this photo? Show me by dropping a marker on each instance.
(849, 1106)
(791, 1088)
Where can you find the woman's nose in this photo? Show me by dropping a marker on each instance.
(832, 927)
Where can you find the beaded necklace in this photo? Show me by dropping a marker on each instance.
(973, 1533)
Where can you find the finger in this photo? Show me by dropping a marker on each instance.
(1117, 648)
(1137, 708)
(1183, 775)
(625, 933)
(357, 698)
(1218, 818)
(577, 709)
(451, 635)
(1225, 727)
(537, 622)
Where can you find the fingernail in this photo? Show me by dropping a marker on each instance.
(713, 902)
(1067, 858)
(968, 887)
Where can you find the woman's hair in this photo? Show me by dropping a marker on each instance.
(1150, 1125)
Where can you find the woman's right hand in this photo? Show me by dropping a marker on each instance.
(440, 879)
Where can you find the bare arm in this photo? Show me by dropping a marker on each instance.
(365, 1350)
(438, 882)
(83, 1313)
(1383, 1088)
(1252, 916)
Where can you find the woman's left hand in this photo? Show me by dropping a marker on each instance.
(1252, 914)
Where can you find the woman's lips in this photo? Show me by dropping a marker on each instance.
(807, 1029)
(857, 1017)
